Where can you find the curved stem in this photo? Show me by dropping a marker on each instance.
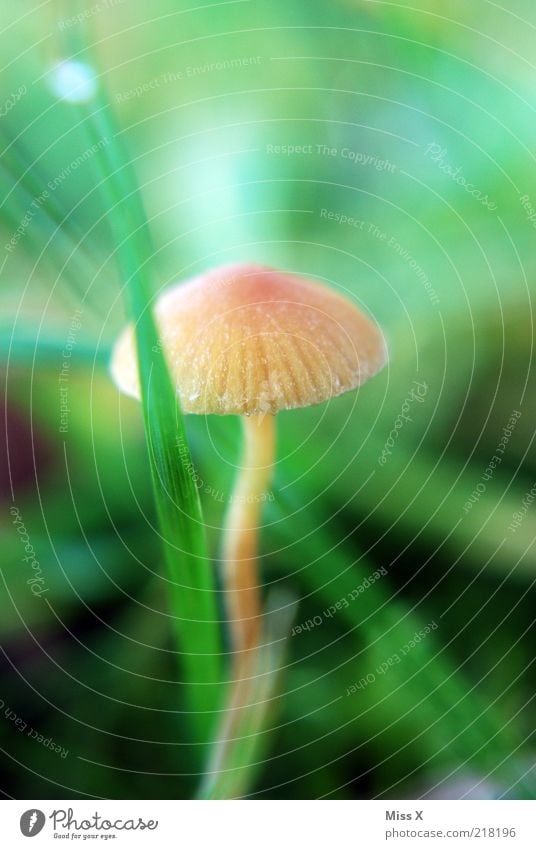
(241, 533)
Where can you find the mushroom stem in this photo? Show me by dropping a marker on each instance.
(241, 533)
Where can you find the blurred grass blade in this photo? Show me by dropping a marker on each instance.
(22, 346)
(191, 576)
(27, 179)
(49, 241)
(244, 733)
(429, 676)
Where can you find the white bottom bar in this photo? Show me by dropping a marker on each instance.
(269, 824)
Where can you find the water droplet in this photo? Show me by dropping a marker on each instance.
(73, 81)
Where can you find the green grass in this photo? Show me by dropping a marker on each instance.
(127, 666)
(191, 582)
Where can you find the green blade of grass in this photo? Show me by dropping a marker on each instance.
(191, 576)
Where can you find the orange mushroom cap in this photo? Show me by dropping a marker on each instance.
(246, 339)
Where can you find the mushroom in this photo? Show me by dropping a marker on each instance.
(249, 340)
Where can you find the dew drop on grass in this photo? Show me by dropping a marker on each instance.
(73, 81)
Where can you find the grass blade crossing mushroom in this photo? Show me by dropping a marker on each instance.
(248, 340)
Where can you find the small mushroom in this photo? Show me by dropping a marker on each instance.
(248, 340)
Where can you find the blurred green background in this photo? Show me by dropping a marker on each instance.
(388, 152)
